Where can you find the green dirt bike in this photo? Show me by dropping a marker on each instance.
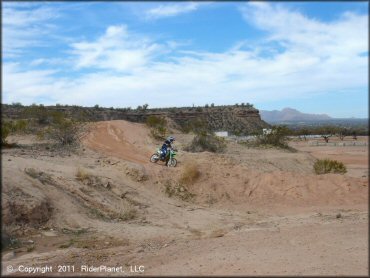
(170, 157)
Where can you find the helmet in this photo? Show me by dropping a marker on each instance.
(171, 139)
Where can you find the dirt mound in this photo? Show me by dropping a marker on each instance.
(240, 176)
(127, 140)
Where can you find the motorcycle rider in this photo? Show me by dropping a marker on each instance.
(166, 145)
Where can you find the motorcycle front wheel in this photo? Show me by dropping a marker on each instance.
(172, 162)
(154, 158)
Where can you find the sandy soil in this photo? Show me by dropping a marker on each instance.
(254, 211)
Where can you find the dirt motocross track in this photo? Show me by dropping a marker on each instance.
(251, 212)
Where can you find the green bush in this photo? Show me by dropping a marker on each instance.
(324, 166)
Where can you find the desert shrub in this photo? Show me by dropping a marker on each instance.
(63, 130)
(158, 127)
(159, 132)
(9, 127)
(206, 142)
(38, 112)
(277, 137)
(128, 214)
(189, 174)
(19, 126)
(154, 121)
(323, 166)
(6, 128)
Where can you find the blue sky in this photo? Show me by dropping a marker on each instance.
(312, 56)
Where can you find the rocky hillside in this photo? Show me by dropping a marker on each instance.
(240, 120)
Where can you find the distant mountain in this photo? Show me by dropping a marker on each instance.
(291, 115)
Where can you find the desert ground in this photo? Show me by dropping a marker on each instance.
(252, 211)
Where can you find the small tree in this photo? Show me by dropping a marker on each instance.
(17, 104)
(304, 132)
(342, 133)
(327, 132)
(326, 138)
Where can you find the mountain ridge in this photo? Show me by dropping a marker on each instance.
(291, 114)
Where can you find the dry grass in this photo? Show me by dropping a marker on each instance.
(190, 173)
(129, 214)
(82, 175)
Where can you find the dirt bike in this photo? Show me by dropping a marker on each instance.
(172, 162)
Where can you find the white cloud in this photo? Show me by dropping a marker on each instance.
(168, 10)
(117, 49)
(314, 57)
(26, 86)
(348, 35)
(25, 26)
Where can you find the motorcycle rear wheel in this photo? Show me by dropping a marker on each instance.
(154, 158)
